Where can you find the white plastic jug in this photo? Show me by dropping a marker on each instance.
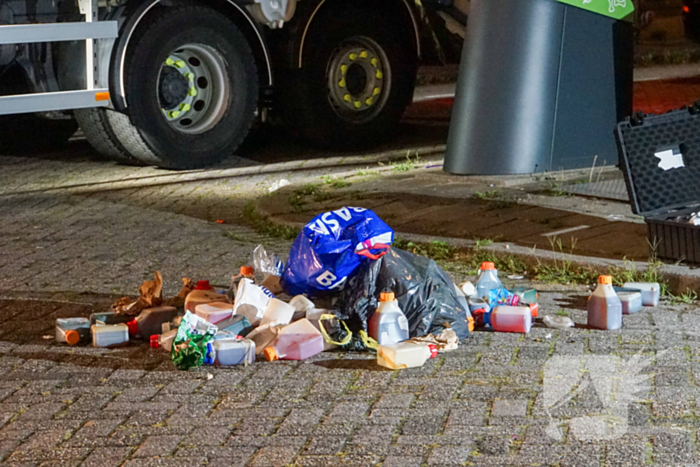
(510, 319)
(214, 312)
(297, 341)
(388, 325)
(110, 335)
(276, 313)
(631, 301)
(233, 351)
(651, 291)
(245, 272)
(604, 306)
(488, 279)
(405, 355)
(72, 330)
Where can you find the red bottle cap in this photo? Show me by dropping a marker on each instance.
(155, 341)
(487, 266)
(479, 316)
(133, 326)
(203, 285)
(433, 350)
(247, 271)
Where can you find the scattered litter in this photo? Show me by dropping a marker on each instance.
(558, 322)
(388, 325)
(487, 279)
(297, 341)
(47, 337)
(405, 355)
(505, 318)
(150, 295)
(251, 301)
(445, 342)
(604, 306)
(110, 335)
(220, 221)
(514, 277)
(72, 331)
(192, 346)
(548, 336)
(202, 293)
(467, 288)
(279, 184)
(210, 376)
(651, 291)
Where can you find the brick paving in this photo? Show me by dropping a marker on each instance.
(75, 232)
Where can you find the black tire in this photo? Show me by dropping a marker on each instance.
(98, 128)
(311, 107)
(18, 133)
(149, 136)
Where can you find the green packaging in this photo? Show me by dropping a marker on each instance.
(192, 346)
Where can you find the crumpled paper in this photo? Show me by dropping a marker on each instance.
(445, 342)
(151, 295)
(178, 301)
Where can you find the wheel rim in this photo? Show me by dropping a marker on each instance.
(193, 88)
(359, 79)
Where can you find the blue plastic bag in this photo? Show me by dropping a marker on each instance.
(331, 247)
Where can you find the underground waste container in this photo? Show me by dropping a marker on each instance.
(542, 85)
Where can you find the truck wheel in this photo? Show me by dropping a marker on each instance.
(97, 125)
(357, 79)
(191, 87)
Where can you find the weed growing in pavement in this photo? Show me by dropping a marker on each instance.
(482, 242)
(562, 313)
(652, 273)
(408, 164)
(366, 172)
(265, 226)
(334, 182)
(488, 195)
(439, 251)
(563, 271)
(687, 298)
(298, 197)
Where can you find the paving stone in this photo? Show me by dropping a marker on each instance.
(397, 461)
(107, 457)
(158, 446)
(449, 455)
(273, 457)
(326, 445)
(509, 408)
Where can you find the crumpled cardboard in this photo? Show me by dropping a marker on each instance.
(445, 342)
(178, 301)
(151, 295)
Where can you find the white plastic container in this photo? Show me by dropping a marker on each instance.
(233, 351)
(163, 341)
(276, 313)
(476, 303)
(110, 335)
(631, 301)
(405, 355)
(214, 312)
(203, 293)
(651, 291)
(488, 280)
(245, 272)
(297, 341)
(72, 331)
(388, 325)
(510, 319)
(604, 306)
(251, 301)
(301, 305)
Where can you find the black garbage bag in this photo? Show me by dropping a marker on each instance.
(426, 294)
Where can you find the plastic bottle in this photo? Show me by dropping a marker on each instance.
(388, 325)
(110, 335)
(150, 321)
(301, 305)
(604, 306)
(505, 318)
(108, 317)
(405, 355)
(72, 330)
(651, 291)
(203, 293)
(233, 351)
(214, 312)
(631, 300)
(236, 324)
(246, 272)
(297, 341)
(488, 279)
(276, 313)
(163, 341)
(476, 303)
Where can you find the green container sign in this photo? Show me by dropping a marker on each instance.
(617, 9)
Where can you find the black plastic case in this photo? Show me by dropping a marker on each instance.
(652, 149)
